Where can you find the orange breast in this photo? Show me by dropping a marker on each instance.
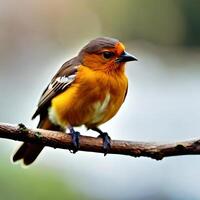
(94, 98)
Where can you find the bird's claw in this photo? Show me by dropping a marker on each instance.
(106, 142)
(75, 141)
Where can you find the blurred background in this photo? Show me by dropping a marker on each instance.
(163, 102)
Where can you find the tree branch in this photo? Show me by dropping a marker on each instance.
(63, 141)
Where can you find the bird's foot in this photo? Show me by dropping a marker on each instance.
(106, 142)
(75, 140)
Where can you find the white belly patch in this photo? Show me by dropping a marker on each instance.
(52, 116)
(100, 108)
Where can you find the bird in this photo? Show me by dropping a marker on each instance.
(88, 89)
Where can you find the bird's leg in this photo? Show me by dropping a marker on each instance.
(106, 140)
(75, 139)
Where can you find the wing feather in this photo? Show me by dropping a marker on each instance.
(61, 81)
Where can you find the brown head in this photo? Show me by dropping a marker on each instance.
(104, 54)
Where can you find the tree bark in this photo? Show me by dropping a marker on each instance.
(63, 141)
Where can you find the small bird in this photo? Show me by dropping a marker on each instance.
(88, 90)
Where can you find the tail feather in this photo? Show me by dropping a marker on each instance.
(20, 152)
(32, 153)
(29, 152)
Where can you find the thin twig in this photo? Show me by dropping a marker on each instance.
(63, 141)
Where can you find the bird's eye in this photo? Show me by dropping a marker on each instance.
(108, 54)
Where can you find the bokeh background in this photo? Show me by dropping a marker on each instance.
(163, 103)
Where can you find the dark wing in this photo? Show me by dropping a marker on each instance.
(63, 78)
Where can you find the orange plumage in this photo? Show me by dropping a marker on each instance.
(79, 104)
(87, 90)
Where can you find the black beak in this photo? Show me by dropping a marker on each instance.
(126, 57)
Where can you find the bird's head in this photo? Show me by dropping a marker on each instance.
(104, 54)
